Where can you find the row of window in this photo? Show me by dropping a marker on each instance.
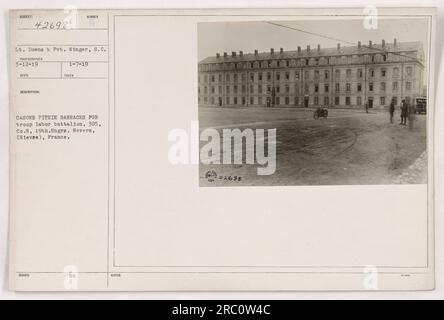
(313, 61)
(308, 75)
(316, 88)
(287, 100)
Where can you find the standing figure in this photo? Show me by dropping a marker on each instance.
(392, 109)
(404, 112)
(366, 107)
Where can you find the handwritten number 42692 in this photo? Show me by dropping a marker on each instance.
(50, 25)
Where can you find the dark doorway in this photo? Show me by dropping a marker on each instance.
(370, 102)
(306, 102)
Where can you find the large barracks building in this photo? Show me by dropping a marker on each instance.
(346, 77)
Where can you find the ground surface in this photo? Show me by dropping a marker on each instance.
(349, 147)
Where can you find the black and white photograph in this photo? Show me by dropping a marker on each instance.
(338, 101)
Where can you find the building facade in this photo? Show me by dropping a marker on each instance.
(346, 77)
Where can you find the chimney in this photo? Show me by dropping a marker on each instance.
(394, 42)
(359, 44)
(241, 53)
(255, 52)
(281, 51)
(217, 55)
(299, 49)
(308, 49)
(370, 43)
(233, 54)
(319, 48)
(339, 46)
(271, 50)
(225, 55)
(383, 43)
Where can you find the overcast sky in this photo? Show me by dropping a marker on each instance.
(247, 36)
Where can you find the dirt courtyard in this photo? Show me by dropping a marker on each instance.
(349, 147)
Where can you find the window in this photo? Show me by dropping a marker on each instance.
(338, 74)
(251, 100)
(212, 89)
(268, 88)
(396, 72)
(278, 101)
(287, 75)
(337, 87)
(205, 89)
(212, 100)
(316, 74)
(235, 77)
(358, 101)
(244, 76)
(287, 89)
(306, 89)
(287, 63)
(382, 86)
(235, 100)
(395, 100)
(297, 75)
(347, 101)
(259, 101)
(326, 74)
(243, 100)
(219, 89)
(382, 101)
(227, 78)
(212, 78)
(251, 89)
(370, 86)
(372, 73)
(235, 89)
(360, 74)
(268, 76)
(409, 71)
(326, 88)
(395, 86)
(316, 88)
(228, 89)
(227, 100)
(337, 101)
(220, 77)
(383, 72)
(260, 76)
(278, 76)
(359, 87)
(278, 89)
(408, 86)
(252, 76)
(326, 101)
(348, 73)
(243, 89)
(287, 100)
(259, 88)
(316, 100)
(347, 87)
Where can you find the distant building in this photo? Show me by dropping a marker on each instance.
(344, 77)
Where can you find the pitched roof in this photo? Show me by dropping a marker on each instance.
(344, 50)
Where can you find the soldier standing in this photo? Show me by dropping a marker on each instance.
(392, 109)
(404, 111)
